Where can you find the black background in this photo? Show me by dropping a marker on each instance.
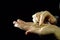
(24, 9)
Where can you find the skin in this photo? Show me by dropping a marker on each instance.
(41, 27)
(40, 30)
(40, 17)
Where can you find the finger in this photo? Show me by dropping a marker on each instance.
(20, 21)
(16, 24)
(27, 32)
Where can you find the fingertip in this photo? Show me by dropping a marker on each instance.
(14, 22)
(18, 20)
(26, 33)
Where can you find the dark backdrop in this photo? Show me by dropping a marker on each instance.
(24, 10)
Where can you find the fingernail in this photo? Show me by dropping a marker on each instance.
(14, 22)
